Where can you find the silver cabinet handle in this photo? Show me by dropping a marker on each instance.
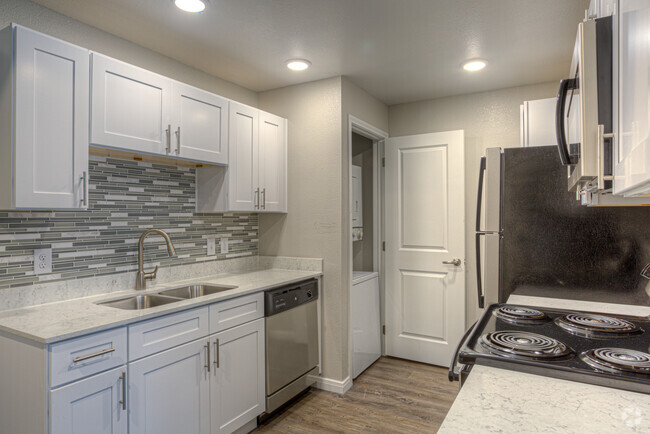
(178, 140)
(455, 262)
(216, 350)
(123, 401)
(84, 186)
(257, 198)
(90, 356)
(207, 346)
(264, 198)
(168, 133)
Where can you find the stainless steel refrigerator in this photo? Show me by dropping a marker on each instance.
(534, 238)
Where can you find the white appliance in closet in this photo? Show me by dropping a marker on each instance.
(366, 337)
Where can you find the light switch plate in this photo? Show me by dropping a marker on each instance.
(212, 250)
(42, 261)
(224, 245)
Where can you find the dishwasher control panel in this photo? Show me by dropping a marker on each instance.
(287, 297)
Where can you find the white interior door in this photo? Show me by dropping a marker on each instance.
(425, 227)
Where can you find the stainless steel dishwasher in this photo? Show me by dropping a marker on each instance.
(291, 341)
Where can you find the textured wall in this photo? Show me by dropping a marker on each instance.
(490, 119)
(312, 228)
(45, 20)
(126, 198)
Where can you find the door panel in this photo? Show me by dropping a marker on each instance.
(51, 122)
(425, 298)
(237, 387)
(203, 121)
(130, 107)
(92, 405)
(273, 163)
(169, 392)
(243, 159)
(423, 193)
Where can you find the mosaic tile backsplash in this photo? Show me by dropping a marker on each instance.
(125, 199)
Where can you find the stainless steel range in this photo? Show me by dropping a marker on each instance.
(607, 350)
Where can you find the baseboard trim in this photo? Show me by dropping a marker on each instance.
(331, 385)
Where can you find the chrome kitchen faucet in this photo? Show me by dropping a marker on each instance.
(142, 277)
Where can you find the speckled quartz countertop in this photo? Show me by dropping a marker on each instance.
(47, 323)
(503, 401)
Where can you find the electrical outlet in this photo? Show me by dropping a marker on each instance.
(42, 261)
(212, 250)
(224, 245)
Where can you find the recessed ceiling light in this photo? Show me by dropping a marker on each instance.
(475, 65)
(298, 64)
(194, 6)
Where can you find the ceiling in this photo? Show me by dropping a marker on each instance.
(397, 50)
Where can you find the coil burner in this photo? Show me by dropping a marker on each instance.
(596, 326)
(520, 315)
(617, 360)
(524, 345)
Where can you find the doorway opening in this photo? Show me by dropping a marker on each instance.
(365, 144)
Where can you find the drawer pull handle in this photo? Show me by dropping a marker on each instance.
(90, 356)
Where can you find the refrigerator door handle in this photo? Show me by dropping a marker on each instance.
(479, 201)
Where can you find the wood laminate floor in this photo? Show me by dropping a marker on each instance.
(393, 395)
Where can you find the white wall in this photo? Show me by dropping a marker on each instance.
(490, 119)
(312, 227)
(45, 20)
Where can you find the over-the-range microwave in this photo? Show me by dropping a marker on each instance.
(584, 104)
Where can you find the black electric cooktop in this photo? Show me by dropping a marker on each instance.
(590, 347)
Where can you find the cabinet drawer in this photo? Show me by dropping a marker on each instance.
(78, 358)
(237, 311)
(158, 334)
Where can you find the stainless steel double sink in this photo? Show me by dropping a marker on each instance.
(167, 296)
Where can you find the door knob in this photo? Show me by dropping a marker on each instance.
(455, 262)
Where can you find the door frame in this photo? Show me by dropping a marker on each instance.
(365, 129)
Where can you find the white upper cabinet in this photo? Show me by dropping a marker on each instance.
(632, 170)
(244, 192)
(44, 127)
(256, 177)
(273, 163)
(131, 107)
(200, 120)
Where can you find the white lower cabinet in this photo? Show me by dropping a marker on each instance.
(92, 405)
(237, 382)
(170, 392)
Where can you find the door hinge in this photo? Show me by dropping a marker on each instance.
(383, 329)
(383, 161)
(383, 246)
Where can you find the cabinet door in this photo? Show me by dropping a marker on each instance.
(130, 107)
(169, 393)
(93, 405)
(51, 122)
(632, 171)
(273, 163)
(200, 122)
(243, 187)
(238, 383)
